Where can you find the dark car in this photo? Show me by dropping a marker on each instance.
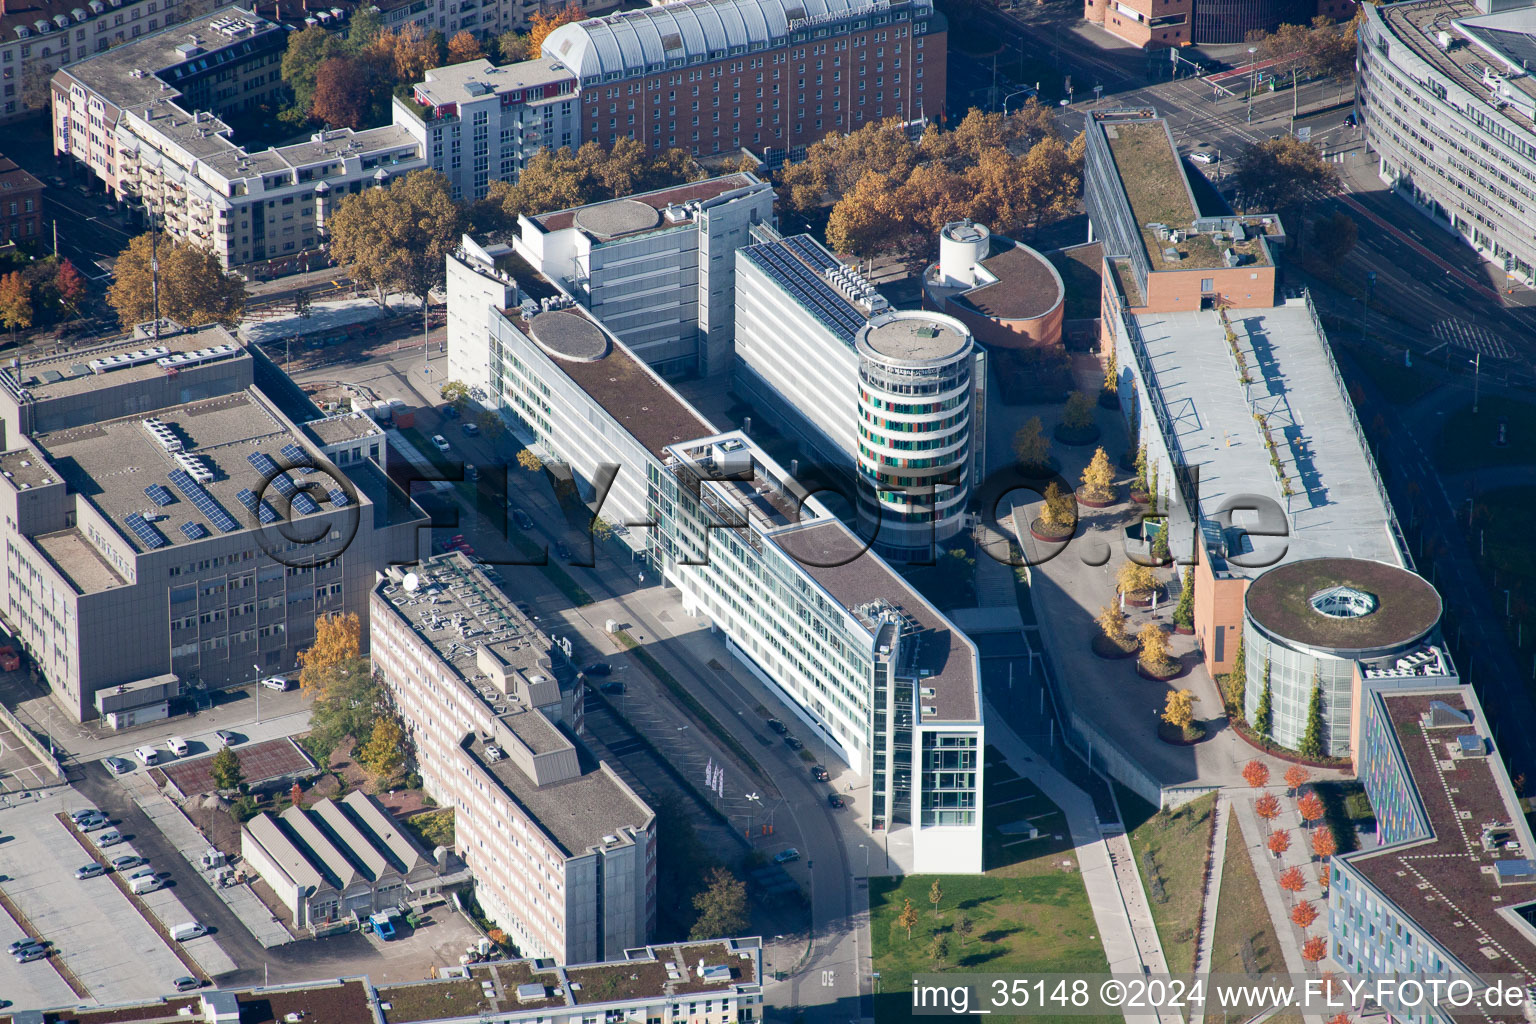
(793, 743)
(21, 944)
(471, 429)
(777, 726)
(523, 520)
(562, 552)
(819, 773)
(599, 668)
(451, 412)
(613, 687)
(1351, 121)
(834, 801)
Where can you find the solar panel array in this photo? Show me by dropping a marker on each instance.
(297, 457)
(303, 504)
(825, 304)
(194, 530)
(266, 513)
(159, 495)
(297, 499)
(203, 501)
(339, 497)
(148, 534)
(812, 253)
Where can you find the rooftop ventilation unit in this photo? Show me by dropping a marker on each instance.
(107, 364)
(494, 753)
(163, 435)
(194, 466)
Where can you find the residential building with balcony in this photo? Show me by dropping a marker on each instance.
(563, 851)
(21, 204)
(145, 118)
(486, 19)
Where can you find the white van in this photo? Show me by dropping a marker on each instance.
(143, 884)
(178, 746)
(187, 930)
(147, 755)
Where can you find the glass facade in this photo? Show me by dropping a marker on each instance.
(1294, 673)
(949, 779)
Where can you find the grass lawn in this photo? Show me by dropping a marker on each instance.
(1245, 940)
(1467, 438)
(1171, 851)
(1030, 911)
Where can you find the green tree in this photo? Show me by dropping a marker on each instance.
(722, 907)
(964, 926)
(397, 238)
(1312, 736)
(907, 918)
(1335, 236)
(308, 49)
(455, 393)
(1078, 414)
(1237, 679)
(225, 769)
(490, 423)
(1140, 483)
(15, 303)
(935, 896)
(1263, 716)
(194, 288)
(512, 46)
(384, 753)
(1279, 173)
(938, 949)
(1184, 610)
(365, 25)
(1030, 445)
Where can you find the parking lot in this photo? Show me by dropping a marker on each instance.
(96, 930)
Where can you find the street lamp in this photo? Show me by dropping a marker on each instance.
(865, 848)
(257, 669)
(756, 798)
(1019, 92)
(1253, 79)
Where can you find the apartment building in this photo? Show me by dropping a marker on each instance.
(563, 851)
(828, 628)
(487, 19)
(145, 118)
(37, 37)
(1448, 107)
(717, 981)
(21, 204)
(657, 268)
(477, 123)
(892, 395)
(1448, 888)
(1157, 24)
(147, 498)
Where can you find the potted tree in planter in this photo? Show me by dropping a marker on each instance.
(1033, 450)
(1184, 610)
(1058, 516)
(1137, 584)
(1098, 490)
(1141, 490)
(1077, 426)
(1155, 662)
(1113, 640)
(1178, 725)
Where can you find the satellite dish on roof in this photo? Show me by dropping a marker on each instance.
(411, 582)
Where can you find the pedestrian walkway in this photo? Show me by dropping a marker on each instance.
(185, 836)
(1223, 812)
(1125, 927)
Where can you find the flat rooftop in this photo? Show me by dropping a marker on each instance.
(463, 83)
(70, 373)
(577, 812)
(24, 469)
(112, 463)
(914, 337)
(1027, 285)
(346, 426)
(79, 561)
(1500, 42)
(799, 265)
(1336, 508)
(1152, 176)
(1446, 882)
(660, 199)
(1396, 606)
(855, 577)
(649, 973)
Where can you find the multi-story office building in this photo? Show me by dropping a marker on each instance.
(21, 204)
(564, 852)
(1449, 107)
(1250, 429)
(37, 37)
(150, 535)
(891, 394)
(837, 636)
(479, 123)
(1449, 886)
(1156, 24)
(658, 268)
(145, 118)
(719, 981)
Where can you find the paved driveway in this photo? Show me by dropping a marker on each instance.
(98, 932)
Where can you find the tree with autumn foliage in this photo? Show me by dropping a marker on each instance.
(1311, 808)
(1303, 914)
(1314, 949)
(1279, 841)
(1256, 773)
(1295, 777)
(1324, 845)
(397, 238)
(1292, 880)
(1267, 807)
(464, 47)
(541, 25)
(15, 303)
(348, 700)
(195, 289)
(69, 286)
(1339, 1018)
(338, 640)
(350, 91)
(561, 178)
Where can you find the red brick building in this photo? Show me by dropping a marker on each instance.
(714, 76)
(21, 204)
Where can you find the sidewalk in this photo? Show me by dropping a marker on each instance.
(1223, 812)
(191, 843)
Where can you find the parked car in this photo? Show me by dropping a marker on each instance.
(31, 953)
(127, 861)
(1202, 157)
(562, 552)
(793, 744)
(819, 773)
(90, 871)
(177, 746)
(471, 429)
(111, 837)
(778, 726)
(441, 442)
(21, 944)
(1351, 121)
(450, 412)
(278, 683)
(472, 472)
(187, 930)
(523, 520)
(83, 813)
(92, 824)
(785, 856)
(118, 766)
(226, 738)
(599, 668)
(146, 755)
(834, 801)
(186, 984)
(613, 687)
